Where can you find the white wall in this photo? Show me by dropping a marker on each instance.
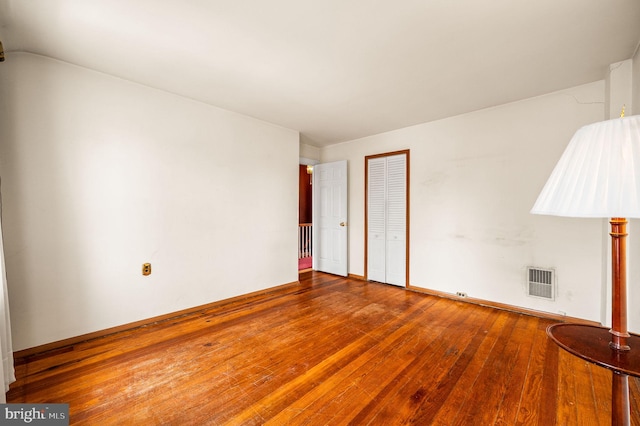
(100, 175)
(473, 180)
(619, 89)
(309, 154)
(635, 75)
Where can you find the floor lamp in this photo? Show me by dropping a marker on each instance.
(598, 176)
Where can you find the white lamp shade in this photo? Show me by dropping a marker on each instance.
(598, 174)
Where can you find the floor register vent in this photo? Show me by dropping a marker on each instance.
(541, 283)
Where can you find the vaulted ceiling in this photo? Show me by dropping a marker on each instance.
(334, 69)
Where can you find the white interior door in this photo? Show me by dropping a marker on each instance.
(396, 224)
(387, 219)
(376, 219)
(330, 218)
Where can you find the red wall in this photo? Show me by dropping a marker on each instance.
(304, 196)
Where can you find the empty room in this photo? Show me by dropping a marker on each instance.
(320, 212)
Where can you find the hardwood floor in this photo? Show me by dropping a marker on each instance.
(329, 351)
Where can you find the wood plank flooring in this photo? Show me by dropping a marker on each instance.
(331, 351)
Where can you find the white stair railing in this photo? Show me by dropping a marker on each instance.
(304, 240)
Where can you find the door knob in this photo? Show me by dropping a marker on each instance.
(343, 224)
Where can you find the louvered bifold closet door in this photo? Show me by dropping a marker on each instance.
(396, 219)
(376, 217)
(386, 219)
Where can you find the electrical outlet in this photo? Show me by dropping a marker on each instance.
(461, 294)
(146, 269)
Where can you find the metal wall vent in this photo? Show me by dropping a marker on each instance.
(541, 283)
